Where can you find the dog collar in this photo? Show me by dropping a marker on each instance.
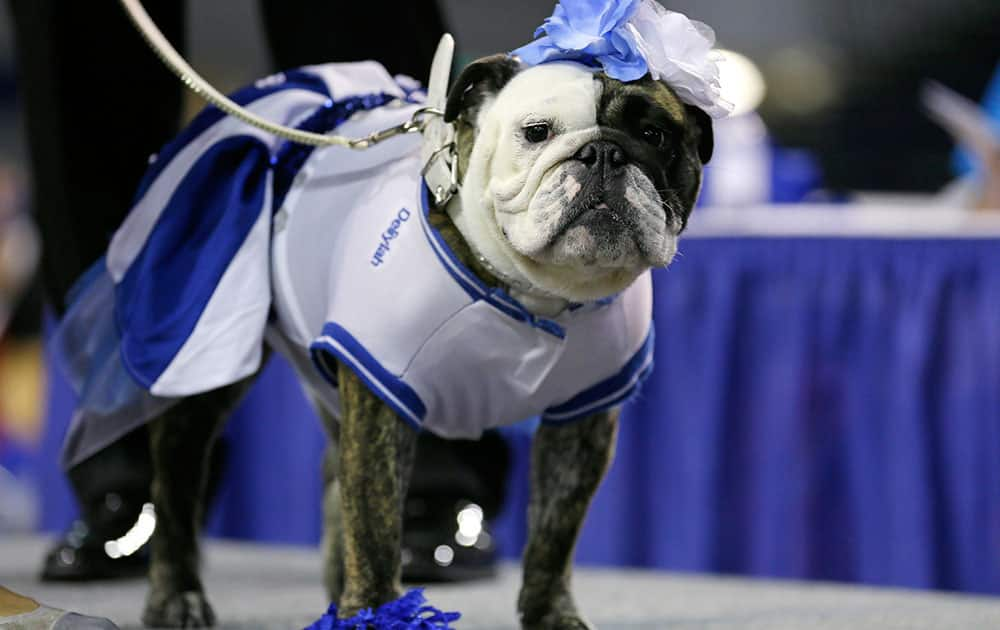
(537, 300)
(439, 153)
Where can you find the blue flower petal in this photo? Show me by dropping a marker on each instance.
(595, 16)
(539, 51)
(624, 70)
(579, 15)
(617, 14)
(591, 32)
(567, 38)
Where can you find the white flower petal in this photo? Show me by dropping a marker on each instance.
(679, 53)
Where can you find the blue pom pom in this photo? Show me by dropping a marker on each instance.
(409, 612)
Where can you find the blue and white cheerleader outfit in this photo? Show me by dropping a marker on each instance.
(237, 239)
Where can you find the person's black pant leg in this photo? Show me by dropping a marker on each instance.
(97, 103)
(402, 36)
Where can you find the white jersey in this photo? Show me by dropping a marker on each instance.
(360, 277)
(329, 254)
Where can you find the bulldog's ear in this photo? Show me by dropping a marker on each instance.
(703, 130)
(480, 79)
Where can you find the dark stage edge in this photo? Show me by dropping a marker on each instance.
(264, 587)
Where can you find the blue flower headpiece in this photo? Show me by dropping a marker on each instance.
(629, 38)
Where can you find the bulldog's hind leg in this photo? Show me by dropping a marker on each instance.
(567, 465)
(375, 455)
(180, 442)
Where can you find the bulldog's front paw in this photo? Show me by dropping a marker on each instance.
(186, 609)
(557, 621)
(559, 614)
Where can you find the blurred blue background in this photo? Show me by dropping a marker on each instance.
(825, 404)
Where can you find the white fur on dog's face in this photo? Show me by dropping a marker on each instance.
(524, 198)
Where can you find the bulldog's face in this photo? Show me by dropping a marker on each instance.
(581, 181)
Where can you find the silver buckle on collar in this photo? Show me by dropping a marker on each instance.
(443, 193)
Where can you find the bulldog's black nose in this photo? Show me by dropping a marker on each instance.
(602, 154)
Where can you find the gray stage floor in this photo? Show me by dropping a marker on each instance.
(279, 588)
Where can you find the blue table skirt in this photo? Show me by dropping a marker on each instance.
(820, 408)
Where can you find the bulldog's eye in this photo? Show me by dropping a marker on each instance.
(655, 136)
(538, 132)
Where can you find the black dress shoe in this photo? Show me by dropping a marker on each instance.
(446, 540)
(112, 488)
(110, 540)
(82, 555)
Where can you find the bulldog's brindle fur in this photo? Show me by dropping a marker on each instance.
(371, 452)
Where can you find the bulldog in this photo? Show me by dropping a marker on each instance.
(525, 293)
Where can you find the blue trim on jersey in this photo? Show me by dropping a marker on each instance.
(290, 158)
(604, 301)
(204, 224)
(413, 91)
(391, 389)
(472, 285)
(608, 392)
(291, 80)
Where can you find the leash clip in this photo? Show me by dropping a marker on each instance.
(416, 124)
